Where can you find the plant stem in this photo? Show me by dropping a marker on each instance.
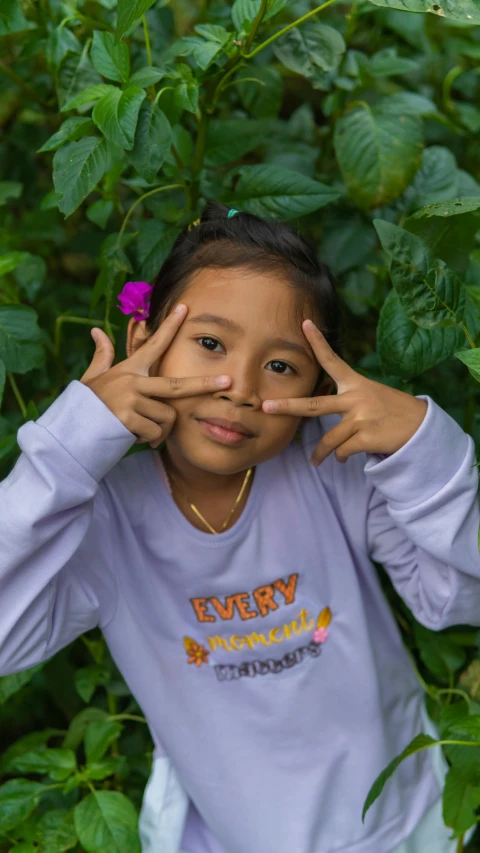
(147, 40)
(256, 24)
(138, 201)
(468, 337)
(18, 396)
(132, 717)
(447, 86)
(460, 844)
(25, 87)
(68, 319)
(458, 692)
(287, 28)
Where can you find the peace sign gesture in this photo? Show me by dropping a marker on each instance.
(132, 394)
(375, 417)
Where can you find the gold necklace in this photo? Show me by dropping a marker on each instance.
(198, 513)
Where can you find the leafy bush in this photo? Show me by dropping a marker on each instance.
(357, 121)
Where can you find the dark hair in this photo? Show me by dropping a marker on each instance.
(263, 245)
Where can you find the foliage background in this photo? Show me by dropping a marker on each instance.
(359, 124)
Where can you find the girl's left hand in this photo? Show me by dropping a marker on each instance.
(375, 417)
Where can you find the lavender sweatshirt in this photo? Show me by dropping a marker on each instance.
(266, 658)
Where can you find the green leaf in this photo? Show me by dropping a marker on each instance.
(30, 274)
(378, 152)
(310, 48)
(129, 12)
(89, 96)
(266, 190)
(229, 140)
(430, 292)
(12, 19)
(99, 770)
(405, 349)
(71, 129)
(11, 260)
(79, 725)
(60, 42)
(153, 138)
(106, 821)
(75, 74)
(412, 102)
(418, 743)
(110, 57)
(460, 801)
(153, 245)
(471, 358)
(147, 76)
(449, 229)
(9, 189)
(58, 763)
(116, 115)
(21, 351)
(88, 678)
(386, 63)
(56, 831)
(99, 212)
(439, 654)
(245, 11)
(98, 737)
(452, 207)
(18, 798)
(24, 744)
(465, 11)
(436, 180)
(77, 169)
(213, 32)
(261, 92)
(3, 376)
(10, 684)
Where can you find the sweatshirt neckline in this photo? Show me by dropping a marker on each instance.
(163, 494)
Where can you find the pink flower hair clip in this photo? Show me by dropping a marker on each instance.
(134, 299)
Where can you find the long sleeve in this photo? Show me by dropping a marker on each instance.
(423, 521)
(56, 580)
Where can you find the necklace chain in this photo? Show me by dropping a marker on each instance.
(199, 514)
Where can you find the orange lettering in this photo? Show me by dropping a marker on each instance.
(242, 606)
(288, 591)
(263, 595)
(200, 607)
(225, 612)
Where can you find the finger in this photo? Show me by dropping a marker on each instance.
(145, 429)
(159, 413)
(180, 386)
(336, 367)
(308, 406)
(333, 440)
(103, 356)
(158, 343)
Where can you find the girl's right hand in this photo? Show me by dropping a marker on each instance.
(127, 389)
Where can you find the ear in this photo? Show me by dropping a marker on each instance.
(136, 335)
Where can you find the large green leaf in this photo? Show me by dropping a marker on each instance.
(436, 180)
(106, 822)
(60, 42)
(405, 349)
(76, 73)
(229, 140)
(260, 91)
(110, 57)
(12, 19)
(378, 152)
(88, 96)
(153, 245)
(449, 229)
(57, 763)
(460, 801)
(98, 737)
(116, 115)
(56, 831)
(430, 292)
(71, 129)
(471, 358)
(79, 724)
(153, 138)
(24, 744)
(245, 11)
(10, 260)
(18, 798)
(310, 48)
(88, 678)
(418, 743)
(21, 350)
(272, 192)
(130, 11)
(10, 684)
(465, 11)
(77, 169)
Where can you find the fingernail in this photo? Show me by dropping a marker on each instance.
(269, 406)
(223, 380)
(180, 308)
(315, 462)
(309, 325)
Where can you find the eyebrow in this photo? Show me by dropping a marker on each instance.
(235, 328)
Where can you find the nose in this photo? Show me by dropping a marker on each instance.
(243, 387)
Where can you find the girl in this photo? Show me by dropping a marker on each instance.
(231, 576)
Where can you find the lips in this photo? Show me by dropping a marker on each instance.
(234, 426)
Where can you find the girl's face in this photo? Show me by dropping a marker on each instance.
(241, 323)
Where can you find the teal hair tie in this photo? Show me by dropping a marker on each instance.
(232, 212)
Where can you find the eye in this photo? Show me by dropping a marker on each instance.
(283, 365)
(212, 341)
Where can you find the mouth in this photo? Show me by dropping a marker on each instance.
(227, 432)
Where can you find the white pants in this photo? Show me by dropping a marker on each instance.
(164, 796)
